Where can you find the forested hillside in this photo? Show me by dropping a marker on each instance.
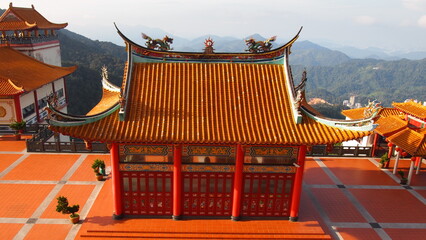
(386, 81)
(84, 85)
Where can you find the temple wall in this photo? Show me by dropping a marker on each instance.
(60, 93)
(42, 95)
(27, 100)
(50, 54)
(7, 111)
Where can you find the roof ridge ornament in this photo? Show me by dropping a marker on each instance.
(158, 44)
(208, 43)
(254, 46)
(372, 108)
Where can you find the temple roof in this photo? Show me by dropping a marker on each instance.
(207, 98)
(358, 113)
(209, 103)
(390, 125)
(19, 72)
(412, 108)
(17, 18)
(412, 141)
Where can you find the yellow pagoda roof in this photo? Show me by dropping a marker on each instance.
(358, 113)
(211, 103)
(412, 108)
(389, 125)
(20, 72)
(412, 141)
(18, 18)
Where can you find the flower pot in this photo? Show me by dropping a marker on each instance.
(403, 181)
(100, 177)
(75, 219)
(18, 137)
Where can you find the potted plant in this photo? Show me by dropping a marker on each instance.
(383, 160)
(404, 180)
(18, 127)
(99, 168)
(64, 208)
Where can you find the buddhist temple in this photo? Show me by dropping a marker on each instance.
(403, 129)
(30, 66)
(205, 134)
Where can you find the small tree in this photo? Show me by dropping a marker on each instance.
(384, 159)
(64, 208)
(18, 126)
(97, 165)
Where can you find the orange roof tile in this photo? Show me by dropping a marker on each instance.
(26, 16)
(210, 103)
(108, 100)
(7, 87)
(358, 113)
(16, 25)
(27, 72)
(411, 141)
(389, 125)
(415, 109)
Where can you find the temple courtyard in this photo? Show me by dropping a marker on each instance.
(343, 198)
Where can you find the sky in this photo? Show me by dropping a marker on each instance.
(392, 25)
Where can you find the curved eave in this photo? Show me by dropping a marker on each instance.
(9, 88)
(109, 100)
(365, 124)
(178, 56)
(107, 85)
(70, 120)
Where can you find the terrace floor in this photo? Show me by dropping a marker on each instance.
(343, 198)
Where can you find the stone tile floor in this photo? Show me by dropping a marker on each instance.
(347, 198)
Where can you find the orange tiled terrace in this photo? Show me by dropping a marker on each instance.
(342, 198)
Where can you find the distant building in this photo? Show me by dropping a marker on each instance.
(351, 103)
(30, 66)
(206, 134)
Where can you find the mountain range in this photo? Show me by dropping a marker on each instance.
(332, 75)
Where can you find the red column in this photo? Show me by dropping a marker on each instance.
(177, 182)
(116, 182)
(375, 140)
(297, 188)
(18, 110)
(238, 184)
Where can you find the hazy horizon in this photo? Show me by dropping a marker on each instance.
(391, 25)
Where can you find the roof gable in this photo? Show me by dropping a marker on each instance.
(26, 17)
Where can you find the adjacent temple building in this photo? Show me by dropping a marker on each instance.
(30, 66)
(206, 134)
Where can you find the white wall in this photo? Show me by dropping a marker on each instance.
(27, 99)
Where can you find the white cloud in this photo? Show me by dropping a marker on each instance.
(365, 20)
(422, 21)
(415, 5)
